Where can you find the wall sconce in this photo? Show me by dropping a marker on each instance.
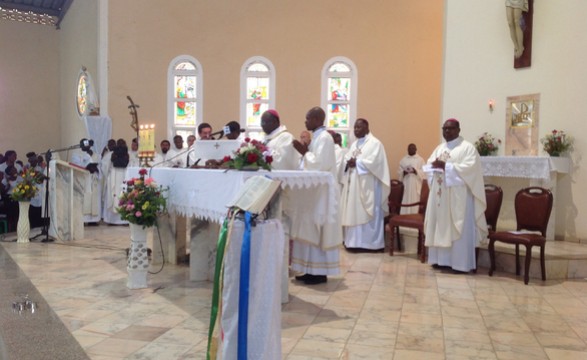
(491, 102)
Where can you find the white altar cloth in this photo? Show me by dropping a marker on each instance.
(539, 170)
(204, 193)
(528, 167)
(264, 325)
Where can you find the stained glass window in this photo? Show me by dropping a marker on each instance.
(185, 88)
(257, 92)
(339, 78)
(82, 94)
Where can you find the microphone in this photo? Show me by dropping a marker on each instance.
(85, 143)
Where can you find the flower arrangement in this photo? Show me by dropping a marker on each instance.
(252, 154)
(557, 142)
(142, 201)
(487, 145)
(27, 188)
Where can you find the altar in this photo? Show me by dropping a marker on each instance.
(203, 194)
(540, 171)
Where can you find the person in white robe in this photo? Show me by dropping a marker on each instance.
(280, 142)
(115, 173)
(411, 175)
(161, 158)
(339, 153)
(92, 204)
(178, 154)
(133, 154)
(454, 224)
(316, 248)
(366, 188)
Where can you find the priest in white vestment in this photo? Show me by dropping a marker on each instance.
(280, 142)
(178, 154)
(92, 204)
(366, 188)
(316, 249)
(114, 170)
(133, 154)
(411, 175)
(455, 215)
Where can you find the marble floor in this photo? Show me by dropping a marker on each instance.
(382, 307)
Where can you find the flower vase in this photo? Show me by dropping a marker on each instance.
(555, 153)
(138, 259)
(23, 228)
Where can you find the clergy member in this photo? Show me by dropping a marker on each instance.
(411, 175)
(365, 191)
(455, 215)
(114, 169)
(316, 249)
(92, 203)
(280, 142)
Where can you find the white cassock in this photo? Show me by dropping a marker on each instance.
(316, 249)
(339, 152)
(455, 215)
(280, 144)
(113, 185)
(161, 160)
(412, 182)
(92, 205)
(178, 157)
(364, 196)
(134, 160)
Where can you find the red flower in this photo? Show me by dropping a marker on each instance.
(226, 159)
(269, 159)
(252, 157)
(143, 172)
(247, 139)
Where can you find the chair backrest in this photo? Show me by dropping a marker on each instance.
(423, 197)
(533, 206)
(493, 197)
(396, 194)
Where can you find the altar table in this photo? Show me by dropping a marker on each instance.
(204, 193)
(539, 170)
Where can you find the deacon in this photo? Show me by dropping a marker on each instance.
(280, 142)
(411, 175)
(365, 191)
(92, 204)
(454, 224)
(315, 251)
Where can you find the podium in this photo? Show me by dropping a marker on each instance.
(66, 198)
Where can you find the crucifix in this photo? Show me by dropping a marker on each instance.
(519, 15)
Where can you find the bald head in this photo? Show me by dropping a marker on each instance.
(315, 118)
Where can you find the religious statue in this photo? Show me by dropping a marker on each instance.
(514, 9)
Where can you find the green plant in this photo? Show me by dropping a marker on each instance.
(487, 145)
(142, 201)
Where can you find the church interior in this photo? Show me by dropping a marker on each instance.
(413, 65)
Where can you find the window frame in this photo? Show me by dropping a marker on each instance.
(171, 99)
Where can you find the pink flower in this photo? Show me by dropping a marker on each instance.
(149, 181)
(138, 214)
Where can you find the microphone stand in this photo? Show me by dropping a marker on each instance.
(46, 218)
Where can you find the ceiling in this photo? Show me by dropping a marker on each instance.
(42, 8)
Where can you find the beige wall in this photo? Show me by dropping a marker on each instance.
(78, 46)
(478, 66)
(29, 83)
(395, 44)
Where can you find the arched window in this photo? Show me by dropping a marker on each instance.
(257, 93)
(184, 104)
(339, 96)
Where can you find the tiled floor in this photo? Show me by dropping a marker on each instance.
(381, 308)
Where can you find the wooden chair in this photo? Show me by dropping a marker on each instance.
(394, 201)
(414, 221)
(493, 198)
(533, 206)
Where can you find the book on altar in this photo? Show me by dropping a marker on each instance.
(256, 194)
